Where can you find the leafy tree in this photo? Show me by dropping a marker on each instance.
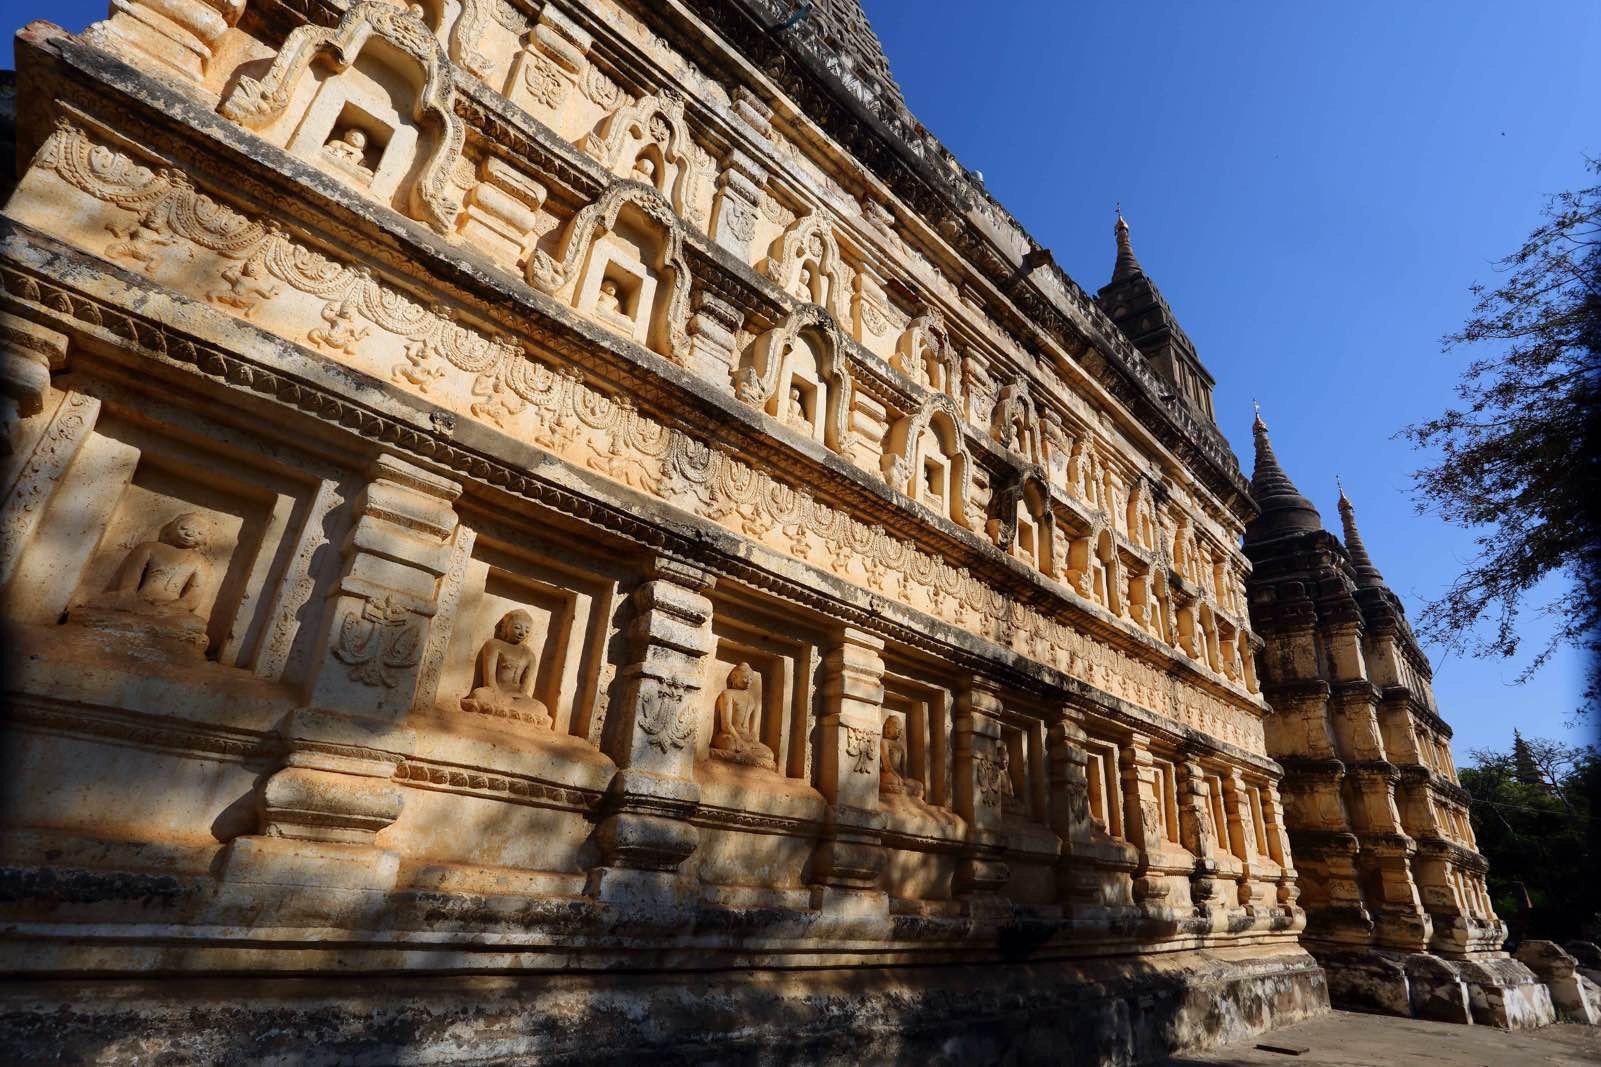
(1538, 834)
(1521, 458)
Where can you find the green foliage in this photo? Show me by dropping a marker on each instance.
(1520, 460)
(1532, 817)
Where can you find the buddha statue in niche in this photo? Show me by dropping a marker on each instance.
(608, 302)
(892, 779)
(796, 413)
(507, 668)
(164, 579)
(348, 149)
(738, 721)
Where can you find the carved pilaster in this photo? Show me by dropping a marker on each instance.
(1094, 878)
(499, 213)
(739, 191)
(28, 355)
(40, 445)
(979, 792)
(850, 855)
(643, 835)
(554, 58)
(1142, 816)
(321, 812)
(1195, 827)
(711, 337)
(172, 39)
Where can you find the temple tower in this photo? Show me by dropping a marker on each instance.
(1397, 910)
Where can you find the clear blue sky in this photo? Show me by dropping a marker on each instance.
(1313, 185)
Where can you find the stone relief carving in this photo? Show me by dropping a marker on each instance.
(254, 103)
(661, 318)
(164, 579)
(798, 371)
(805, 261)
(892, 774)
(736, 735)
(551, 405)
(925, 354)
(993, 777)
(377, 641)
(648, 141)
(664, 715)
(860, 747)
(507, 669)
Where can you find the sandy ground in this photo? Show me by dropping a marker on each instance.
(1346, 1039)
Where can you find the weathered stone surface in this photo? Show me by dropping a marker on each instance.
(1396, 904)
(536, 495)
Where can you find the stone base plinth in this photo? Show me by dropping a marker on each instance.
(1064, 1012)
(1493, 991)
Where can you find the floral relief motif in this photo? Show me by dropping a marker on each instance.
(377, 641)
(664, 715)
(860, 748)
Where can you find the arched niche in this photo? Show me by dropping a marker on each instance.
(926, 459)
(797, 372)
(1106, 572)
(805, 261)
(648, 141)
(1035, 538)
(621, 262)
(368, 102)
(1140, 517)
(925, 354)
(1014, 424)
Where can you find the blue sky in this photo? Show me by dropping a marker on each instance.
(1313, 185)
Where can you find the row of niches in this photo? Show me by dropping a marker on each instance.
(165, 562)
(368, 102)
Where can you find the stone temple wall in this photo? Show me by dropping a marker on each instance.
(573, 529)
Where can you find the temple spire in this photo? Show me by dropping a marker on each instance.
(1284, 509)
(1366, 573)
(1127, 266)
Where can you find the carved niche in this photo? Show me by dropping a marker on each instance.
(1024, 524)
(925, 354)
(805, 261)
(1014, 424)
(621, 261)
(926, 458)
(797, 373)
(648, 141)
(369, 102)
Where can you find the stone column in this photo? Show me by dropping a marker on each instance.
(39, 445)
(1195, 828)
(1257, 887)
(982, 871)
(1142, 821)
(644, 834)
(711, 338)
(321, 812)
(850, 855)
(1094, 877)
(1278, 845)
(739, 192)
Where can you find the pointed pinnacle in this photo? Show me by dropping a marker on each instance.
(1366, 573)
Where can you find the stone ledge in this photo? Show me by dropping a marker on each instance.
(1106, 1012)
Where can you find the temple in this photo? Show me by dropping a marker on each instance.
(578, 530)
(1397, 909)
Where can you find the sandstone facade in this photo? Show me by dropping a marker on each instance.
(572, 529)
